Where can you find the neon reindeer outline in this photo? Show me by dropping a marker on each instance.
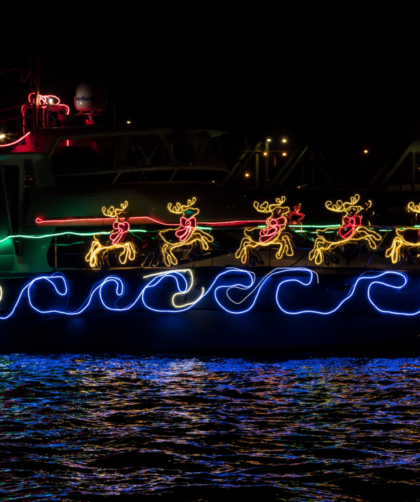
(272, 235)
(98, 252)
(400, 244)
(351, 231)
(188, 234)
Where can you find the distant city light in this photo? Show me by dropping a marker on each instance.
(284, 140)
(246, 175)
(365, 151)
(265, 154)
(284, 154)
(50, 100)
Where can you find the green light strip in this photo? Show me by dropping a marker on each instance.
(80, 234)
(155, 231)
(52, 235)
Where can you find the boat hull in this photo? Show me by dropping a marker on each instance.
(207, 309)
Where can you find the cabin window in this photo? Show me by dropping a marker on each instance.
(28, 184)
(92, 179)
(11, 181)
(84, 155)
(145, 176)
(203, 175)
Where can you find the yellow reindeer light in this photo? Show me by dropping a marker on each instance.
(400, 244)
(98, 251)
(272, 235)
(351, 232)
(187, 234)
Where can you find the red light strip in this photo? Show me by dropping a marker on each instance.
(16, 142)
(137, 219)
(231, 223)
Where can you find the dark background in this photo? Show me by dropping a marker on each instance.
(340, 78)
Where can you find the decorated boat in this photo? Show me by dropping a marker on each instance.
(116, 238)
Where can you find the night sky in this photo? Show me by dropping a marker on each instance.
(340, 78)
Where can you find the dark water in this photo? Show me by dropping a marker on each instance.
(184, 428)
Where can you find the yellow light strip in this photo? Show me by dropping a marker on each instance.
(189, 271)
(128, 252)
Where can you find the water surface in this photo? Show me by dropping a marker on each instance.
(92, 427)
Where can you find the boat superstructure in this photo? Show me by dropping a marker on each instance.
(146, 224)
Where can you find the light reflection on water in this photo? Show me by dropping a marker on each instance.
(72, 427)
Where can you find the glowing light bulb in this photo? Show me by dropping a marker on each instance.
(284, 154)
(265, 154)
(129, 122)
(246, 175)
(284, 140)
(2, 136)
(268, 140)
(365, 151)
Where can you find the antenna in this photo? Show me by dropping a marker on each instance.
(30, 62)
(115, 79)
(38, 78)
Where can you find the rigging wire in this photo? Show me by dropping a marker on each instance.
(22, 79)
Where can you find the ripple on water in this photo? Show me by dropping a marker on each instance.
(81, 427)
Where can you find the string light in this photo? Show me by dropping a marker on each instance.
(296, 214)
(400, 243)
(351, 231)
(184, 291)
(271, 235)
(50, 100)
(5, 145)
(82, 234)
(187, 233)
(99, 252)
(136, 219)
(221, 293)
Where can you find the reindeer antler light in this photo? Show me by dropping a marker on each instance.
(348, 208)
(114, 213)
